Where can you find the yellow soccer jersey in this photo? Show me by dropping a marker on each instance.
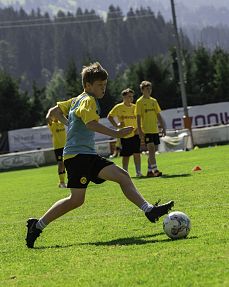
(126, 115)
(148, 109)
(85, 108)
(65, 106)
(58, 134)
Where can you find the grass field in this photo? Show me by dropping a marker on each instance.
(108, 241)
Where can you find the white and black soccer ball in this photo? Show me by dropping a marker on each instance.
(177, 225)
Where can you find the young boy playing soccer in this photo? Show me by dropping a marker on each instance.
(148, 116)
(81, 161)
(130, 144)
(59, 139)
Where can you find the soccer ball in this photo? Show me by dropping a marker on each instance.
(177, 225)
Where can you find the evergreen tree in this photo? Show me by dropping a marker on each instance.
(38, 111)
(14, 106)
(220, 61)
(73, 80)
(7, 57)
(114, 28)
(40, 43)
(55, 90)
(201, 86)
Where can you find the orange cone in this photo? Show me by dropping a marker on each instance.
(196, 168)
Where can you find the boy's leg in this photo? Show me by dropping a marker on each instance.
(61, 167)
(35, 227)
(125, 162)
(152, 164)
(61, 173)
(62, 206)
(116, 174)
(137, 162)
(152, 158)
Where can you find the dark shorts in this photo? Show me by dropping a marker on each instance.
(152, 138)
(59, 154)
(84, 168)
(130, 146)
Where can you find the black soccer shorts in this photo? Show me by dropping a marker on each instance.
(84, 168)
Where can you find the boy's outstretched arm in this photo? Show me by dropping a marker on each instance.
(114, 123)
(99, 128)
(56, 113)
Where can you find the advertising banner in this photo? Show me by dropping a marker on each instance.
(22, 159)
(29, 139)
(202, 116)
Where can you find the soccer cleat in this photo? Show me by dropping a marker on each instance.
(32, 232)
(159, 210)
(155, 173)
(150, 174)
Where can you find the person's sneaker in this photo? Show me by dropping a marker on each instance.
(159, 210)
(62, 185)
(32, 232)
(157, 173)
(150, 174)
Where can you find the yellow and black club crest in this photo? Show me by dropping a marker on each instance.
(83, 180)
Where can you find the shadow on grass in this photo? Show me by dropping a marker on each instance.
(140, 240)
(54, 246)
(175, 175)
(134, 241)
(164, 176)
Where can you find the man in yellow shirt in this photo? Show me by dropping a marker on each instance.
(148, 117)
(58, 139)
(130, 144)
(82, 163)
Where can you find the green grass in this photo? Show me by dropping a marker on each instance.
(108, 241)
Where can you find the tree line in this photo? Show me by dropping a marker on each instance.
(206, 77)
(209, 36)
(34, 45)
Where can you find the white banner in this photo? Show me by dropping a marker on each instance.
(103, 148)
(40, 138)
(202, 116)
(22, 159)
(29, 139)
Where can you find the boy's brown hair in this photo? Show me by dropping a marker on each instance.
(145, 84)
(127, 91)
(93, 72)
